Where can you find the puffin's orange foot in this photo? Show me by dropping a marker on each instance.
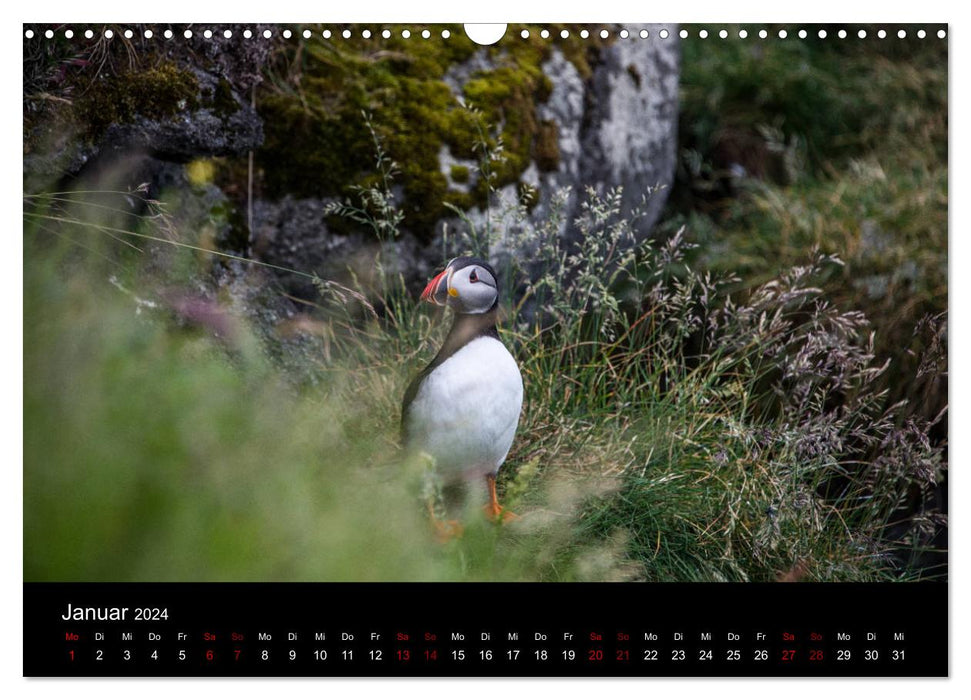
(446, 530)
(497, 514)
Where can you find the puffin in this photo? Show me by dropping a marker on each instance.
(463, 408)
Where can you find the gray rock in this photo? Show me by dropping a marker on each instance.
(238, 60)
(293, 233)
(617, 129)
(199, 134)
(633, 115)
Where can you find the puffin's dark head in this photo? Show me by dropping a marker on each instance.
(466, 284)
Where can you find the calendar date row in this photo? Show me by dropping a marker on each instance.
(459, 655)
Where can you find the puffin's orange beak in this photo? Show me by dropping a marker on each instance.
(436, 291)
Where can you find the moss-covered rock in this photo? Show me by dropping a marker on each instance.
(158, 92)
(317, 144)
(221, 99)
(546, 152)
(176, 100)
(459, 173)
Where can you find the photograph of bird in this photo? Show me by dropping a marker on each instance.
(463, 408)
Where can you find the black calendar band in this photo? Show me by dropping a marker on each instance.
(479, 629)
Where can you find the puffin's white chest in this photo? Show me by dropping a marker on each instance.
(467, 409)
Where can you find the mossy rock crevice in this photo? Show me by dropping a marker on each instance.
(166, 99)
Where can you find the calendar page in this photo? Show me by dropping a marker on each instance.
(485, 350)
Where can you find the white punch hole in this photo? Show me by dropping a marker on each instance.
(485, 34)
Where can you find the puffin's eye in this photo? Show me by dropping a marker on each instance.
(473, 277)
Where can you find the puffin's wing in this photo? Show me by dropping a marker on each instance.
(410, 393)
